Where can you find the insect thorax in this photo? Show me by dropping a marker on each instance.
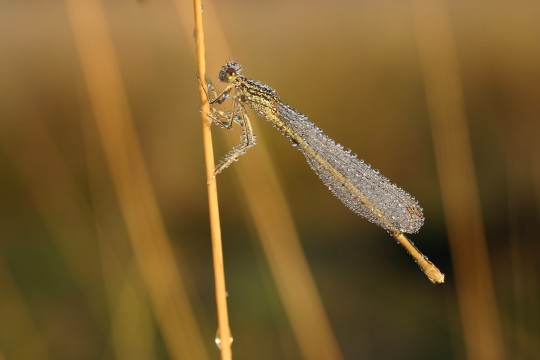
(261, 98)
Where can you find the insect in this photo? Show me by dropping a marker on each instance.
(360, 187)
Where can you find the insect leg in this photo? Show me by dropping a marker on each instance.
(247, 139)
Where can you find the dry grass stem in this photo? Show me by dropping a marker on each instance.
(273, 221)
(215, 228)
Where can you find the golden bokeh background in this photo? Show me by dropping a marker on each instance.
(105, 247)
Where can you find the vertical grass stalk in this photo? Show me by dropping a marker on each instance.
(219, 273)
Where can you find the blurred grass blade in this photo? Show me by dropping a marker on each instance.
(132, 332)
(145, 226)
(23, 328)
(275, 226)
(474, 282)
(51, 186)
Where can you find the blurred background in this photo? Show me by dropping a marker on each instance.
(105, 248)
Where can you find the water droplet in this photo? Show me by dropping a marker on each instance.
(218, 339)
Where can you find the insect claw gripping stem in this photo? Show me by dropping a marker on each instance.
(360, 187)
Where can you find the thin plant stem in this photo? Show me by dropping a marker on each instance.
(224, 332)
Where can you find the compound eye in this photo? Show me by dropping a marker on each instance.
(229, 72)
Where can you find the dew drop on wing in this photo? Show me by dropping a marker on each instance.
(362, 189)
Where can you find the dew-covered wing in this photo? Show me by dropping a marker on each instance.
(361, 188)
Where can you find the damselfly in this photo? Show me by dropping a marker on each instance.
(360, 187)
